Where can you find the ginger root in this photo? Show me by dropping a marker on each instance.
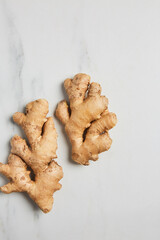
(87, 119)
(42, 138)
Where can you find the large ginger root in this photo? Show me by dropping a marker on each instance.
(42, 138)
(88, 120)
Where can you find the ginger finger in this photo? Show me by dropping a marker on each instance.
(89, 120)
(39, 155)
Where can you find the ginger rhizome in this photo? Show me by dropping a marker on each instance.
(42, 138)
(87, 119)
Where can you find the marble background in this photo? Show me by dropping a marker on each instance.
(42, 42)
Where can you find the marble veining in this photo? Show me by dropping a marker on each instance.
(117, 43)
(16, 54)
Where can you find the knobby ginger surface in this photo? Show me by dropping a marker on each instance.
(42, 138)
(87, 119)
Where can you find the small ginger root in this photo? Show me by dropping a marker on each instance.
(42, 138)
(87, 119)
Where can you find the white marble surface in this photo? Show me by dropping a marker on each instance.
(42, 42)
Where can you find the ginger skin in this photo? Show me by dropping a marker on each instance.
(42, 138)
(87, 113)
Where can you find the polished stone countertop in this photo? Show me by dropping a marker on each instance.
(43, 42)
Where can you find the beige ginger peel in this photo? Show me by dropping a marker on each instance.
(87, 120)
(42, 138)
